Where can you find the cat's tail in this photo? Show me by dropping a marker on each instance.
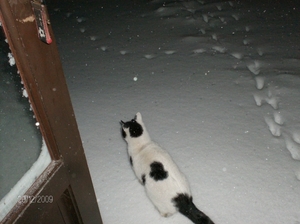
(184, 204)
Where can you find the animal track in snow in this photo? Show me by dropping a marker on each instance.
(80, 19)
(254, 67)
(167, 11)
(237, 55)
(219, 7)
(278, 118)
(149, 56)
(293, 147)
(274, 128)
(219, 49)
(222, 19)
(214, 37)
(260, 51)
(199, 51)
(247, 41)
(170, 52)
(191, 6)
(205, 18)
(259, 80)
(236, 16)
(93, 38)
(260, 99)
(296, 136)
(191, 10)
(273, 101)
(104, 48)
(123, 52)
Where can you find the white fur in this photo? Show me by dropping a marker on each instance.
(143, 152)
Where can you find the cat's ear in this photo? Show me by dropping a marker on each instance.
(138, 117)
(122, 123)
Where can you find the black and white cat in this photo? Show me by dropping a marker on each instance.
(165, 185)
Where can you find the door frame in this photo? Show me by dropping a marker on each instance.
(67, 178)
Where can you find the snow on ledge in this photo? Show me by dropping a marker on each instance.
(12, 197)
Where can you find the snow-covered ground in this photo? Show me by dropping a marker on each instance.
(217, 83)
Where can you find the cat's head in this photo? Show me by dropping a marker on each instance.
(134, 130)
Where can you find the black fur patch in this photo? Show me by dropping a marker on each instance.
(123, 133)
(182, 201)
(135, 129)
(144, 179)
(184, 204)
(157, 171)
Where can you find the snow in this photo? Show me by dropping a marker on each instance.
(11, 60)
(218, 87)
(10, 199)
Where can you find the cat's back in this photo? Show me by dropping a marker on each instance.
(161, 177)
(153, 152)
(161, 169)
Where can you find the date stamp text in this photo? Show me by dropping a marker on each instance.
(39, 199)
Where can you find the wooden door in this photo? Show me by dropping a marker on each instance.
(67, 178)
